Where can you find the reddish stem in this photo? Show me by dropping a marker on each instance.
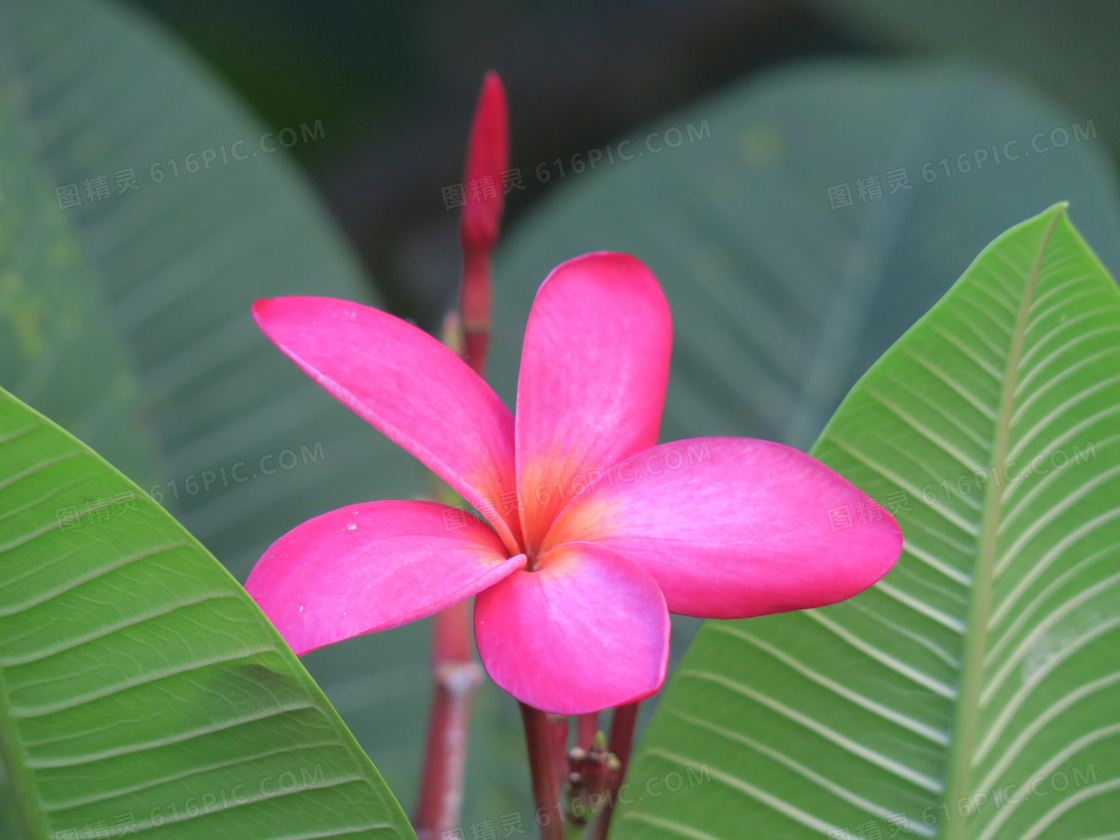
(588, 726)
(451, 634)
(621, 742)
(558, 748)
(457, 676)
(546, 792)
(474, 305)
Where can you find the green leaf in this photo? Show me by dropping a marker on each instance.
(139, 684)
(985, 661)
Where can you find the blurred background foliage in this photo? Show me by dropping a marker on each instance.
(780, 300)
(395, 84)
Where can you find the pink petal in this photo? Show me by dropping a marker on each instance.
(586, 631)
(734, 527)
(407, 384)
(373, 566)
(593, 374)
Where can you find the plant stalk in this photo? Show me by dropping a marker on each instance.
(546, 792)
(474, 308)
(558, 748)
(457, 677)
(587, 727)
(620, 744)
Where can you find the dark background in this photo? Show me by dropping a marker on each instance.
(395, 83)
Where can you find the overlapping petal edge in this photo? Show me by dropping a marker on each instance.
(597, 531)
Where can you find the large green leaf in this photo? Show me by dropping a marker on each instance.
(985, 661)
(140, 687)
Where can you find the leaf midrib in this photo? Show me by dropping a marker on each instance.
(959, 777)
(13, 756)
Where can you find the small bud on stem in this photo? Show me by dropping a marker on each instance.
(484, 194)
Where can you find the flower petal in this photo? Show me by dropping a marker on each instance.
(407, 384)
(585, 631)
(734, 527)
(592, 384)
(373, 566)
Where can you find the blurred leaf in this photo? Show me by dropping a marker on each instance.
(57, 345)
(985, 660)
(134, 309)
(780, 302)
(1066, 50)
(180, 260)
(140, 686)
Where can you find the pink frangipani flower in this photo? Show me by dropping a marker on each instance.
(597, 534)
